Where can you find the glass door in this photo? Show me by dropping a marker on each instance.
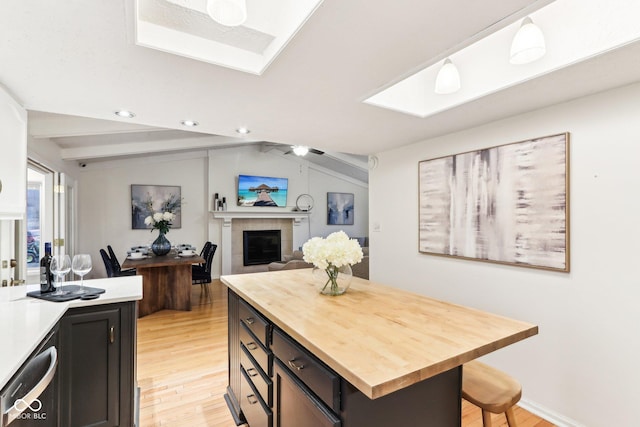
(38, 226)
(65, 215)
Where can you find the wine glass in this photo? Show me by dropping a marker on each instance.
(60, 266)
(81, 265)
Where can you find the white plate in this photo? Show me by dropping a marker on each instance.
(187, 256)
(134, 259)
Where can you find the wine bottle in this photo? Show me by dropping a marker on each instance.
(46, 284)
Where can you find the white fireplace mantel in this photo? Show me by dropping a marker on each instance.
(300, 234)
(228, 216)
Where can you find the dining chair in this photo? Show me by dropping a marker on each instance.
(204, 253)
(108, 266)
(117, 269)
(201, 275)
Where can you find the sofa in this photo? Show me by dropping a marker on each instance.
(294, 261)
(290, 262)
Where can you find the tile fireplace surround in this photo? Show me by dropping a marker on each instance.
(293, 226)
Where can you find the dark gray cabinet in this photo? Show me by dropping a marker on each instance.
(263, 392)
(296, 405)
(274, 381)
(97, 366)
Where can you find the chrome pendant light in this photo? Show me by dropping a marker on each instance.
(230, 13)
(448, 78)
(528, 44)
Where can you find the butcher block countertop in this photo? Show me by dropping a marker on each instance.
(380, 339)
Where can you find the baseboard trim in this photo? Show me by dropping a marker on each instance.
(549, 415)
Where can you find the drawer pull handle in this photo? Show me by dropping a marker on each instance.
(252, 372)
(293, 365)
(252, 346)
(250, 320)
(252, 399)
(112, 335)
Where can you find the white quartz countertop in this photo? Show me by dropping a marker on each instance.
(25, 321)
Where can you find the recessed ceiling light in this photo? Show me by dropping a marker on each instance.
(189, 123)
(124, 113)
(243, 131)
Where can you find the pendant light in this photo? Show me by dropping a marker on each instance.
(528, 45)
(230, 13)
(448, 78)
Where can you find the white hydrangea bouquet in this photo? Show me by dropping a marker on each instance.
(332, 255)
(161, 221)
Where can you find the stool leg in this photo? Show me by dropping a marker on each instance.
(486, 418)
(511, 417)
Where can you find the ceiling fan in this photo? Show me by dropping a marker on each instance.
(302, 150)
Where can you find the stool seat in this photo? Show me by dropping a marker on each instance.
(491, 390)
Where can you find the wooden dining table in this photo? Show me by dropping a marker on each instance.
(166, 281)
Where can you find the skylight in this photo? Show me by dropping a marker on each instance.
(183, 27)
(575, 30)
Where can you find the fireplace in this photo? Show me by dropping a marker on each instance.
(261, 246)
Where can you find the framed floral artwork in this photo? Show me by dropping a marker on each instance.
(147, 199)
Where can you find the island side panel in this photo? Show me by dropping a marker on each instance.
(233, 389)
(436, 401)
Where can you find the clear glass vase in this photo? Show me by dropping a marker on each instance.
(161, 246)
(333, 280)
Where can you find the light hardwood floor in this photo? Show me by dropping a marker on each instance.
(182, 369)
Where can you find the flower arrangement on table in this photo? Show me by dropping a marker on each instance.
(162, 221)
(333, 255)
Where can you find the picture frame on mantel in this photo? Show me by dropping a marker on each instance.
(507, 204)
(143, 196)
(340, 208)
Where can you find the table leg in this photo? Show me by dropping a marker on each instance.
(153, 291)
(178, 290)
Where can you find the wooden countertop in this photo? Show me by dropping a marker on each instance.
(380, 339)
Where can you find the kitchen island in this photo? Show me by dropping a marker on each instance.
(379, 353)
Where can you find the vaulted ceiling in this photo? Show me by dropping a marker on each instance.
(72, 63)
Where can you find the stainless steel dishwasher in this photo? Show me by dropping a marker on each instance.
(31, 396)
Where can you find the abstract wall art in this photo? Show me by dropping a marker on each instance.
(507, 204)
(340, 208)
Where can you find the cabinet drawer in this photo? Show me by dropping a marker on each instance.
(253, 407)
(296, 405)
(255, 322)
(256, 375)
(320, 380)
(259, 353)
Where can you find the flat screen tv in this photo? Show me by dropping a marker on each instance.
(262, 191)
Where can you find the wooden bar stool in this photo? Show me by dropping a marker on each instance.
(491, 390)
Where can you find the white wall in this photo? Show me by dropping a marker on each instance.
(226, 164)
(104, 198)
(320, 183)
(582, 367)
